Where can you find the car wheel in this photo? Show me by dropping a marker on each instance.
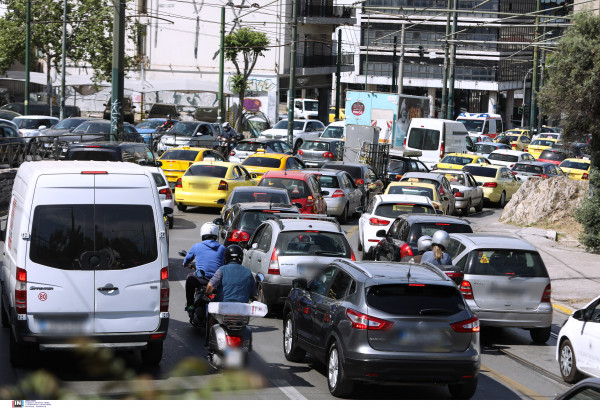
(463, 390)
(343, 217)
(540, 335)
(502, 201)
(261, 297)
(339, 385)
(479, 207)
(467, 209)
(153, 354)
(171, 221)
(291, 350)
(365, 255)
(567, 363)
(181, 207)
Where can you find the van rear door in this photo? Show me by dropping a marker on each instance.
(127, 288)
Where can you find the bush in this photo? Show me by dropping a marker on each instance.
(588, 215)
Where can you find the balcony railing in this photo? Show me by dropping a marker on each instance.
(315, 61)
(308, 9)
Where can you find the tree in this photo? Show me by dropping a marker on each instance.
(247, 45)
(89, 34)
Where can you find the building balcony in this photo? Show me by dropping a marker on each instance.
(317, 13)
(321, 64)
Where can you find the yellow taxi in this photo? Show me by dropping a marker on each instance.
(498, 182)
(176, 161)
(421, 189)
(332, 114)
(259, 163)
(205, 183)
(539, 145)
(576, 169)
(518, 138)
(456, 161)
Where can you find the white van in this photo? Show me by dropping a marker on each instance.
(482, 124)
(306, 109)
(85, 257)
(436, 137)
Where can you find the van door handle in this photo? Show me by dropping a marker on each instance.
(107, 288)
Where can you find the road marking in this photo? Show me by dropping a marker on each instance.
(288, 390)
(509, 382)
(563, 309)
(351, 231)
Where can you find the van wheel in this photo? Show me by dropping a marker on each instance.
(181, 207)
(153, 354)
(21, 354)
(540, 335)
(463, 390)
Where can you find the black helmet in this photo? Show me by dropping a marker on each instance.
(234, 253)
(169, 117)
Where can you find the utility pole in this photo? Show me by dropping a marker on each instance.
(394, 78)
(118, 66)
(401, 67)
(534, 75)
(543, 70)
(367, 57)
(449, 112)
(27, 52)
(338, 75)
(221, 67)
(443, 111)
(292, 87)
(63, 61)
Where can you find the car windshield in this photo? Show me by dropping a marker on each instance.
(512, 138)
(297, 189)
(354, 171)
(250, 220)
(311, 105)
(333, 132)
(93, 127)
(481, 171)
(283, 124)
(417, 230)
(542, 142)
(149, 124)
(250, 146)
(575, 165)
(183, 128)
(207, 171)
(423, 139)
(415, 300)
(34, 123)
(412, 190)
(317, 146)
(461, 161)
(260, 161)
(69, 123)
(503, 157)
(527, 168)
(311, 243)
(484, 148)
(505, 262)
(185, 155)
(275, 197)
(392, 210)
(472, 125)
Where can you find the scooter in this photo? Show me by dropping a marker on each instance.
(199, 317)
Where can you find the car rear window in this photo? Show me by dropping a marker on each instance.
(575, 165)
(67, 236)
(417, 230)
(262, 162)
(295, 188)
(311, 243)
(416, 300)
(528, 168)
(542, 142)
(249, 146)
(503, 157)
(317, 146)
(354, 171)
(505, 262)
(250, 220)
(274, 197)
(482, 148)
(98, 155)
(412, 190)
(328, 181)
(423, 139)
(185, 155)
(553, 155)
(461, 161)
(159, 180)
(207, 171)
(481, 171)
(392, 210)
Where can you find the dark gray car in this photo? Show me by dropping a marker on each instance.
(315, 153)
(384, 323)
(525, 169)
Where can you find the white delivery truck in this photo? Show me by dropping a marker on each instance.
(306, 109)
(436, 137)
(85, 258)
(481, 124)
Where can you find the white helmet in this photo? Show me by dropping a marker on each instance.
(441, 238)
(226, 124)
(209, 229)
(424, 243)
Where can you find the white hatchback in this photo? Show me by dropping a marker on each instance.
(381, 211)
(578, 344)
(508, 158)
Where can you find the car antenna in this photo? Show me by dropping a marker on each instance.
(408, 274)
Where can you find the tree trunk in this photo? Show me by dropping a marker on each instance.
(240, 112)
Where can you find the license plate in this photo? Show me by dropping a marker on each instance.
(233, 357)
(425, 338)
(65, 325)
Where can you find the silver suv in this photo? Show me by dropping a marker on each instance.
(289, 247)
(384, 323)
(505, 282)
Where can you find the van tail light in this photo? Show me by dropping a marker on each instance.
(234, 341)
(585, 176)
(467, 326)
(458, 194)
(352, 257)
(405, 250)
(547, 294)
(328, 155)
(164, 289)
(378, 221)
(442, 150)
(274, 263)
(300, 152)
(21, 291)
(178, 183)
(492, 185)
(223, 185)
(238, 236)
(360, 182)
(362, 321)
(337, 194)
(166, 192)
(466, 290)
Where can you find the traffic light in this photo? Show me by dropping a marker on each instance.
(421, 51)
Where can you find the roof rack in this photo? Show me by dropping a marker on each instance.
(352, 264)
(317, 217)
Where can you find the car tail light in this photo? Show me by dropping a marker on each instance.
(274, 263)
(328, 155)
(466, 290)
(458, 194)
(442, 150)
(526, 149)
(547, 294)
(178, 183)
(233, 341)
(223, 185)
(585, 176)
(544, 176)
(467, 326)
(514, 146)
(238, 236)
(404, 142)
(337, 194)
(166, 192)
(360, 182)
(232, 153)
(442, 191)
(352, 257)
(456, 277)
(164, 289)
(21, 291)
(405, 250)
(300, 152)
(94, 172)
(434, 167)
(492, 185)
(378, 221)
(362, 321)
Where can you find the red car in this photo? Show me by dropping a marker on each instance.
(303, 189)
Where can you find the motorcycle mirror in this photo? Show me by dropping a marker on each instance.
(182, 253)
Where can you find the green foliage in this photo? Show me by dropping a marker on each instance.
(588, 215)
(89, 34)
(238, 83)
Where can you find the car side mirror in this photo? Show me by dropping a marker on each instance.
(455, 190)
(439, 212)
(579, 314)
(167, 211)
(42, 127)
(359, 209)
(218, 221)
(479, 183)
(182, 253)
(300, 283)
(158, 163)
(253, 175)
(299, 205)
(221, 201)
(381, 233)
(324, 193)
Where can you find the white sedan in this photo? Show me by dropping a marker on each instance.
(578, 344)
(302, 130)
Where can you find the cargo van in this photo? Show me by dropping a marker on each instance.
(85, 257)
(436, 137)
(306, 109)
(482, 124)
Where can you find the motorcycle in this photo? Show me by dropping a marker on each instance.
(199, 318)
(226, 145)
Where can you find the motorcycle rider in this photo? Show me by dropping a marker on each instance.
(232, 281)
(229, 137)
(439, 243)
(423, 245)
(167, 125)
(209, 256)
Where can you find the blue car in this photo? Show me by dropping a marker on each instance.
(147, 128)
